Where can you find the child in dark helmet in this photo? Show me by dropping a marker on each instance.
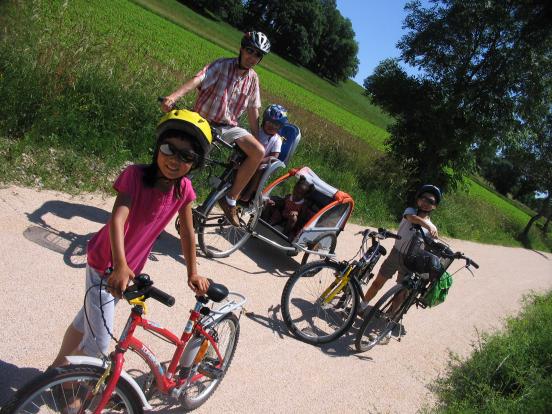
(148, 197)
(226, 88)
(274, 117)
(426, 200)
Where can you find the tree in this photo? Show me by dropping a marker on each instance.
(534, 154)
(311, 33)
(485, 71)
(231, 11)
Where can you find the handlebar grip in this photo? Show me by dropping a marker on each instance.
(161, 296)
(388, 234)
(470, 261)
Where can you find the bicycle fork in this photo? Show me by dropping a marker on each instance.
(336, 287)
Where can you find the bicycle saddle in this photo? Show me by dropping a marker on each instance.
(217, 292)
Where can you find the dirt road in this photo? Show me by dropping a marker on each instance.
(42, 236)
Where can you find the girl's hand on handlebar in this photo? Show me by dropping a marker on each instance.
(118, 280)
(198, 284)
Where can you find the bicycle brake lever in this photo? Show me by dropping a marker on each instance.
(469, 270)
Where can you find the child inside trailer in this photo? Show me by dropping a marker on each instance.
(292, 211)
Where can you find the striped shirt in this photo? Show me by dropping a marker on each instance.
(224, 94)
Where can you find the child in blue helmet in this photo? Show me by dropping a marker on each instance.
(274, 117)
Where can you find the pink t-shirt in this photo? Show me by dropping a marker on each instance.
(150, 212)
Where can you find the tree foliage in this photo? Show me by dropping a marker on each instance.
(311, 33)
(485, 76)
(231, 11)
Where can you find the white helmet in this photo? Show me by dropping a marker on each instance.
(257, 40)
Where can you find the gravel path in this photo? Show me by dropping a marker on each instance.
(42, 234)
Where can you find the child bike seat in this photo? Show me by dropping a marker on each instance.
(292, 136)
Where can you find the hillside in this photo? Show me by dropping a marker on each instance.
(90, 107)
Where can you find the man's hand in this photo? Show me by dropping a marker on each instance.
(118, 280)
(168, 103)
(198, 284)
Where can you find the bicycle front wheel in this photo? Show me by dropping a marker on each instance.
(226, 333)
(71, 389)
(216, 236)
(318, 305)
(383, 318)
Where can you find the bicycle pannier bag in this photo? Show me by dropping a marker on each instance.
(439, 291)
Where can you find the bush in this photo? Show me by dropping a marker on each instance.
(511, 372)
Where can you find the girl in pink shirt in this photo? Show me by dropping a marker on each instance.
(148, 197)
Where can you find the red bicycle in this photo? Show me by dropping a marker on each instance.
(92, 385)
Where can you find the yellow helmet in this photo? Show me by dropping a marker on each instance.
(191, 123)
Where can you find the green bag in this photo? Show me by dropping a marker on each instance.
(439, 291)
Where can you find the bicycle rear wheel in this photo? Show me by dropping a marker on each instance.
(383, 318)
(69, 389)
(216, 236)
(318, 306)
(226, 333)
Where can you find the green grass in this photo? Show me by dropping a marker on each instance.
(509, 372)
(75, 109)
(348, 95)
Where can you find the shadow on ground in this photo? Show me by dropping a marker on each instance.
(73, 245)
(13, 378)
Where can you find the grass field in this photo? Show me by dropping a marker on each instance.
(509, 372)
(76, 108)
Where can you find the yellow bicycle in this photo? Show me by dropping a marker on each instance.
(320, 300)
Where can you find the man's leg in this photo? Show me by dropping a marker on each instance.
(255, 153)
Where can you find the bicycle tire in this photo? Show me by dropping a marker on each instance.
(208, 387)
(377, 324)
(47, 393)
(317, 322)
(321, 243)
(216, 236)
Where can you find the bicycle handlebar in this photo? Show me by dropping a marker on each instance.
(143, 287)
(445, 250)
(381, 234)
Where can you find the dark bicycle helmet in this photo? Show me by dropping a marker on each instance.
(276, 114)
(257, 40)
(431, 189)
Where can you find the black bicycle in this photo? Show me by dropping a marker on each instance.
(428, 259)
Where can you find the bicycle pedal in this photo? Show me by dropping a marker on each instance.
(210, 371)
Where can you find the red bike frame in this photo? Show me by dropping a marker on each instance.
(165, 381)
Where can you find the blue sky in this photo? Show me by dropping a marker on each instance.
(378, 28)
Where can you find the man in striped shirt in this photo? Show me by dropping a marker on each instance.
(226, 88)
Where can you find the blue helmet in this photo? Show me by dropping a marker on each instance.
(276, 114)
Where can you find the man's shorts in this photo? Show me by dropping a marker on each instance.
(89, 345)
(229, 133)
(392, 264)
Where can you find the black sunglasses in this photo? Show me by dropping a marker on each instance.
(428, 200)
(255, 52)
(184, 156)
